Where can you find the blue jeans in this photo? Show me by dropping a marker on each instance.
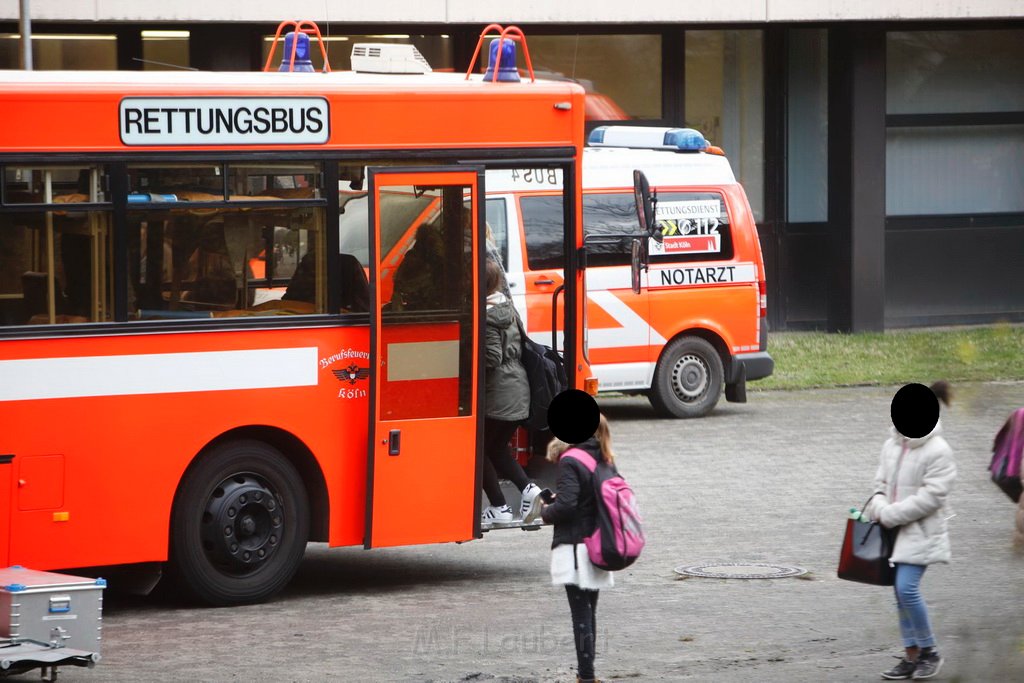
(915, 627)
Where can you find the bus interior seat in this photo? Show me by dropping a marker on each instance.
(34, 295)
(355, 288)
(75, 252)
(302, 286)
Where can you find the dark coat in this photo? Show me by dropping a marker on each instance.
(508, 387)
(574, 512)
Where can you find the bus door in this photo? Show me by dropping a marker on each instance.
(425, 343)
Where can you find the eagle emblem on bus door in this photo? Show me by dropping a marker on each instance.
(351, 374)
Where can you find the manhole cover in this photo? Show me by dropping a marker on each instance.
(740, 570)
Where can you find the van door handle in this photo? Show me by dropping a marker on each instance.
(544, 281)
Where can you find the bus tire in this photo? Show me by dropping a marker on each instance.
(239, 525)
(688, 379)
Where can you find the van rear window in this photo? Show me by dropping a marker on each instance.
(695, 227)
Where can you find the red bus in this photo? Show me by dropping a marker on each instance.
(193, 374)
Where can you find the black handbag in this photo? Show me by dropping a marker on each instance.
(545, 370)
(866, 550)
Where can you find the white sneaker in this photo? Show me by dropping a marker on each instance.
(530, 507)
(497, 517)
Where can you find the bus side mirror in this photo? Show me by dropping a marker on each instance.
(637, 262)
(645, 205)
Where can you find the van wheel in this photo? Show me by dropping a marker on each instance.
(239, 525)
(688, 379)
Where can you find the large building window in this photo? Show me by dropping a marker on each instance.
(954, 175)
(955, 142)
(52, 51)
(621, 73)
(807, 127)
(164, 50)
(932, 72)
(725, 101)
(954, 170)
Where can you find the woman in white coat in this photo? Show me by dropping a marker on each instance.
(915, 474)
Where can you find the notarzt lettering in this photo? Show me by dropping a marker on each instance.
(698, 276)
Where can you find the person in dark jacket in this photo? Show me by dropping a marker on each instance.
(574, 516)
(418, 283)
(507, 405)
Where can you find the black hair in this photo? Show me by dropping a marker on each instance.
(943, 391)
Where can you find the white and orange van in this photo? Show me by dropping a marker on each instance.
(699, 323)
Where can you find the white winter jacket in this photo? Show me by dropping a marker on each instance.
(914, 479)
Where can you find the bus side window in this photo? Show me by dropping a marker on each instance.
(71, 245)
(227, 262)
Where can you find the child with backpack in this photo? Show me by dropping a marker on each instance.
(586, 529)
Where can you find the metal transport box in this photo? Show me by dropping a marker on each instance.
(56, 609)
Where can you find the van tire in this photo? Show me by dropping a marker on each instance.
(688, 379)
(239, 525)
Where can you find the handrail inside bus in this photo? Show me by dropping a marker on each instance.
(307, 27)
(513, 33)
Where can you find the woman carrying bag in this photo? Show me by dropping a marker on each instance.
(915, 474)
(507, 406)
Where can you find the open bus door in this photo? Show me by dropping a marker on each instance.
(425, 344)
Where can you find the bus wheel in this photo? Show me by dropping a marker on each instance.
(688, 379)
(239, 525)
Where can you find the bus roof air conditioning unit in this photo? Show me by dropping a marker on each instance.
(388, 58)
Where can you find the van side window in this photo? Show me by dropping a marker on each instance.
(609, 214)
(603, 214)
(542, 223)
(497, 221)
(694, 227)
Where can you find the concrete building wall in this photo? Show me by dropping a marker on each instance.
(520, 11)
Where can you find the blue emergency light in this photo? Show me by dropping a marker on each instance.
(507, 71)
(302, 60)
(648, 137)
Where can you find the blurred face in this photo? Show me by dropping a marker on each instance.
(914, 411)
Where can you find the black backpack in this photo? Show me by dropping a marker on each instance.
(546, 372)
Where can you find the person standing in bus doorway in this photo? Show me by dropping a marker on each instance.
(915, 475)
(574, 516)
(420, 276)
(507, 405)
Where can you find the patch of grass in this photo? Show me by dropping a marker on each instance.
(805, 360)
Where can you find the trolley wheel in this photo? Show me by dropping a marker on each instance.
(239, 525)
(688, 380)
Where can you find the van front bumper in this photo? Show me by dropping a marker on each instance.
(751, 366)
